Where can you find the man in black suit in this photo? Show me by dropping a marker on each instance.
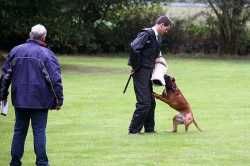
(144, 50)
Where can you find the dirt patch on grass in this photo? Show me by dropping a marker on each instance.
(76, 69)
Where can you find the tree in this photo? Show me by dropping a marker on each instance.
(232, 17)
(71, 24)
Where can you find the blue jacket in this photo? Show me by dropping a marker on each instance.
(144, 49)
(34, 72)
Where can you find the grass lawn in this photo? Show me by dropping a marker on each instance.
(92, 127)
(184, 12)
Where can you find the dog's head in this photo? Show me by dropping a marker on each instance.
(170, 83)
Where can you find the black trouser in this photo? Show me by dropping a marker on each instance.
(145, 106)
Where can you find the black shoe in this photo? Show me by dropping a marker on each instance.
(150, 131)
(138, 133)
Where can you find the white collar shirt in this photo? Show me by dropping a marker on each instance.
(155, 31)
(156, 34)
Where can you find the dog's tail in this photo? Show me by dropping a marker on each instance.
(198, 127)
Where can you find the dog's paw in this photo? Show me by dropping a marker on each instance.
(154, 94)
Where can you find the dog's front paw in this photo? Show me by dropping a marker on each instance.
(155, 94)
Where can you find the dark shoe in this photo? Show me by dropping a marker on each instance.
(138, 133)
(150, 131)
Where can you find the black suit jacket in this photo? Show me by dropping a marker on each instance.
(144, 49)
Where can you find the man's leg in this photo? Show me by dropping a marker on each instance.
(20, 133)
(150, 121)
(141, 79)
(39, 123)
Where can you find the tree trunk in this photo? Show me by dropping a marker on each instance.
(232, 21)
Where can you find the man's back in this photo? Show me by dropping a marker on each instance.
(32, 67)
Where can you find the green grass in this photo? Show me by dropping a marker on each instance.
(92, 127)
(184, 12)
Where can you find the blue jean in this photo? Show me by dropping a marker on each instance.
(38, 119)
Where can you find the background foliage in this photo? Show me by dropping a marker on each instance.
(108, 26)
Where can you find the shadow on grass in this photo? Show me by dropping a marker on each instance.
(81, 69)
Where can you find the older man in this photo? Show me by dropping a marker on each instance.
(34, 72)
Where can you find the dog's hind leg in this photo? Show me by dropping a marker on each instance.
(178, 119)
(175, 125)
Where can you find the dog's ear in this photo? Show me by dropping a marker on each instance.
(173, 85)
(166, 77)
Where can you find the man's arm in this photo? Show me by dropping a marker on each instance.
(5, 80)
(54, 73)
(136, 47)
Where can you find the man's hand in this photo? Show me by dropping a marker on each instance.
(132, 71)
(58, 107)
(5, 101)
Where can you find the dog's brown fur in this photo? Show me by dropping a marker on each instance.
(174, 98)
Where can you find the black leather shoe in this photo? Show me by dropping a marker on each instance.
(138, 133)
(150, 131)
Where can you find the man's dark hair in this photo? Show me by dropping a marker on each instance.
(165, 20)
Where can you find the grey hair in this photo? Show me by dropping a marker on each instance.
(38, 32)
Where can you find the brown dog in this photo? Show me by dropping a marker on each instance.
(174, 98)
